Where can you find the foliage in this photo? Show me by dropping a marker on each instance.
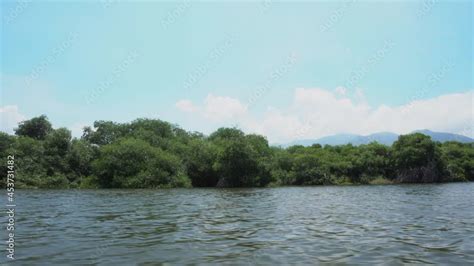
(79, 159)
(36, 128)
(200, 161)
(57, 145)
(134, 163)
(241, 161)
(6, 144)
(417, 159)
(459, 160)
(147, 153)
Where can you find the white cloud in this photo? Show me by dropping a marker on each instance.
(186, 106)
(215, 108)
(218, 108)
(341, 91)
(10, 117)
(450, 113)
(316, 112)
(279, 125)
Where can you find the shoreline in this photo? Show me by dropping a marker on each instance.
(151, 153)
(236, 188)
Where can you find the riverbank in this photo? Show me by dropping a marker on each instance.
(375, 182)
(147, 153)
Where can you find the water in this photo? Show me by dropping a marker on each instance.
(298, 225)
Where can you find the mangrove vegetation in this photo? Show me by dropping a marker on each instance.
(147, 153)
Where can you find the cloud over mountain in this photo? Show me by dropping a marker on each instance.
(316, 112)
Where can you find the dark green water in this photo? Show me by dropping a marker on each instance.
(296, 225)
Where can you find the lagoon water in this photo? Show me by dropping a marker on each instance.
(299, 225)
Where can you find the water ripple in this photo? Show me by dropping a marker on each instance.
(413, 224)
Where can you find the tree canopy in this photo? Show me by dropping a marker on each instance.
(36, 128)
(150, 153)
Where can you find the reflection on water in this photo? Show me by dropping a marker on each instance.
(359, 224)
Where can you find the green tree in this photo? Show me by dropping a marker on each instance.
(417, 159)
(36, 128)
(133, 163)
(29, 162)
(105, 132)
(56, 146)
(282, 167)
(200, 160)
(459, 159)
(241, 160)
(368, 162)
(6, 144)
(79, 159)
(310, 170)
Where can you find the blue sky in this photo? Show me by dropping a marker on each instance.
(286, 70)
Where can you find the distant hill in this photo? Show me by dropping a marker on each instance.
(443, 137)
(386, 138)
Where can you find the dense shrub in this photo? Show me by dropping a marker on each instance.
(133, 163)
(150, 153)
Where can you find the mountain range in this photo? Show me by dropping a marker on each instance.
(386, 138)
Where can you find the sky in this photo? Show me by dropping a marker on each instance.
(286, 70)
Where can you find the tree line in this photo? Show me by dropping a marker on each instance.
(148, 153)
